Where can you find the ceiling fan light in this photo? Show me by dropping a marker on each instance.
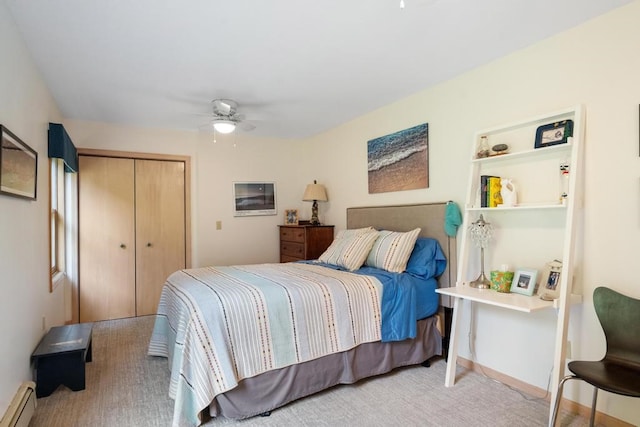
(224, 126)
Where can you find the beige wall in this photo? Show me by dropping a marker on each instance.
(596, 64)
(26, 107)
(215, 166)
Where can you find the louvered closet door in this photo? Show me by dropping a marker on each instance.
(106, 238)
(160, 228)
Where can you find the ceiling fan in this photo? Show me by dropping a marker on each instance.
(226, 117)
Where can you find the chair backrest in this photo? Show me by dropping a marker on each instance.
(619, 316)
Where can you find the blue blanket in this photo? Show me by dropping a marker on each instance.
(405, 299)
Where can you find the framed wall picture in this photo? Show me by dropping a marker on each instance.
(524, 281)
(254, 198)
(18, 166)
(291, 217)
(549, 288)
(554, 133)
(399, 161)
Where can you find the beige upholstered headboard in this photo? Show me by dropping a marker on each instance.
(428, 216)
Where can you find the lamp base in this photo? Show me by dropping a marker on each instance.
(314, 214)
(481, 282)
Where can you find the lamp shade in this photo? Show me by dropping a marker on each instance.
(315, 192)
(224, 126)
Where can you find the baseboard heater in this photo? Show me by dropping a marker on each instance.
(22, 407)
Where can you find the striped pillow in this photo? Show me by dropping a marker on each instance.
(349, 250)
(392, 249)
(354, 232)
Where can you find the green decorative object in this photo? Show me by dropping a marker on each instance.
(501, 280)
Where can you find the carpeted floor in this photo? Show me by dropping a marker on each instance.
(125, 387)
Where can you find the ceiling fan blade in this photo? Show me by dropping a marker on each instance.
(246, 126)
(206, 127)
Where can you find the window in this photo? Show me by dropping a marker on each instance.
(57, 218)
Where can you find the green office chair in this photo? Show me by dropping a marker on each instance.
(619, 371)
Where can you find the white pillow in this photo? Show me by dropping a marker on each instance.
(392, 249)
(349, 250)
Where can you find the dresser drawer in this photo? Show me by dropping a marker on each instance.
(291, 234)
(303, 242)
(292, 249)
(286, 258)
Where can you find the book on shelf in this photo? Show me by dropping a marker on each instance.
(494, 197)
(484, 182)
(490, 191)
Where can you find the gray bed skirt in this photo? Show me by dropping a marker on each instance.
(273, 389)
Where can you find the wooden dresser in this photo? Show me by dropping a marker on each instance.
(298, 242)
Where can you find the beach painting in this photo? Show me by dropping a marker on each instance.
(399, 161)
(254, 198)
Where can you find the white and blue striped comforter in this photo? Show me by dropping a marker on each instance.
(219, 325)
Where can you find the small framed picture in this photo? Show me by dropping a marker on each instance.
(554, 133)
(524, 281)
(291, 217)
(549, 288)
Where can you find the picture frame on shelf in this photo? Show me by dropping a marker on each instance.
(554, 133)
(524, 281)
(18, 166)
(549, 288)
(290, 217)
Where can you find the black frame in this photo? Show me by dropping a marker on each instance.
(554, 133)
(20, 169)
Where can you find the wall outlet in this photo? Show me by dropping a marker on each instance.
(44, 323)
(568, 350)
(218, 225)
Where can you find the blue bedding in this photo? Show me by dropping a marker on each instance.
(406, 299)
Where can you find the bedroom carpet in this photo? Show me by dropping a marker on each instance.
(125, 387)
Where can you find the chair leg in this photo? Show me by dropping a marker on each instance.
(593, 407)
(556, 406)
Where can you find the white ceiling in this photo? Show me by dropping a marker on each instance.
(296, 68)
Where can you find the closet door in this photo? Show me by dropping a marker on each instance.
(106, 238)
(160, 228)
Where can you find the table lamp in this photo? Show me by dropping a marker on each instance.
(481, 232)
(315, 192)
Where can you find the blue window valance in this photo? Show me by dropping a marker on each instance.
(61, 147)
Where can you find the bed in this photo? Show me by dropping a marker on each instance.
(280, 332)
